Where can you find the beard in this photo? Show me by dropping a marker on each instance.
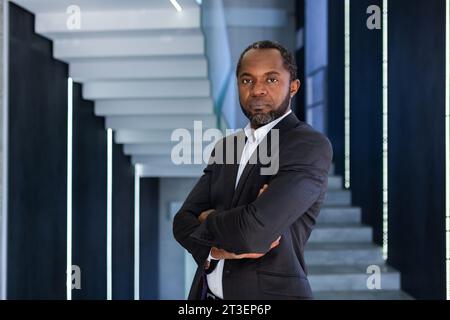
(260, 119)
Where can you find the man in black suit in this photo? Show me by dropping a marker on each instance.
(246, 227)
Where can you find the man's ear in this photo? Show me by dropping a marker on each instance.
(295, 85)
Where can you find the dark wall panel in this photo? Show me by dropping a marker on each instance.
(37, 164)
(149, 211)
(122, 225)
(299, 100)
(417, 145)
(335, 82)
(89, 198)
(366, 134)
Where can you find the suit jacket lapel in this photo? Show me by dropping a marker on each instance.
(245, 174)
(231, 169)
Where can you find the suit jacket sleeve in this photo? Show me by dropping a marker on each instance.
(186, 220)
(301, 178)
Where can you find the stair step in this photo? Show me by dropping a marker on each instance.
(334, 182)
(160, 122)
(171, 171)
(342, 254)
(329, 215)
(100, 46)
(138, 68)
(129, 18)
(153, 160)
(144, 136)
(193, 106)
(340, 233)
(363, 295)
(135, 89)
(338, 198)
(162, 149)
(350, 278)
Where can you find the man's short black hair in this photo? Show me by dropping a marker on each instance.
(288, 58)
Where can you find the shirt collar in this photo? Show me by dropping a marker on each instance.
(259, 134)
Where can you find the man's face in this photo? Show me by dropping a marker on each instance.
(265, 88)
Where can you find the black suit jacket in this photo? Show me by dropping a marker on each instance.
(244, 222)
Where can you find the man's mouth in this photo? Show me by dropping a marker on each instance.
(258, 107)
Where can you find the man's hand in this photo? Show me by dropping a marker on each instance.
(220, 254)
(264, 188)
(202, 217)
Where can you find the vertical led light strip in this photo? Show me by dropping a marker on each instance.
(447, 146)
(109, 215)
(4, 223)
(347, 97)
(69, 186)
(385, 129)
(137, 177)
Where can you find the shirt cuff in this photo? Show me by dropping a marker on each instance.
(210, 257)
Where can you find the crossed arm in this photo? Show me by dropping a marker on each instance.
(255, 227)
(220, 254)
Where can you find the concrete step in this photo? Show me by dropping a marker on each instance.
(54, 24)
(159, 149)
(138, 68)
(172, 171)
(145, 136)
(153, 160)
(181, 88)
(342, 254)
(113, 46)
(149, 149)
(338, 198)
(339, 215)
(334, 182)
(340, 233)
(192, 106)
(350, 278)
(159, 122)
(363, 295)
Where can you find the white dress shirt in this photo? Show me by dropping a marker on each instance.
(254, 138)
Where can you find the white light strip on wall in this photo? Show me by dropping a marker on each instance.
(137, 177)
(347, 97)
(4, 222)
(447, 146)
(69, 186)
(385, 129)
(176, 5)
(109, 215)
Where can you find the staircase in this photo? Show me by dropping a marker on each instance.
(145, 67)
(340, 249)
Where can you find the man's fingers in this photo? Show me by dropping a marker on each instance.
(221, 254)
(275, 243)
(263, 189)
(202, 217)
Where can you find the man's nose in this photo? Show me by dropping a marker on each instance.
(258, 89)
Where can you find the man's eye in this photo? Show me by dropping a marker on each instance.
(246, 81)
(272, 80)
